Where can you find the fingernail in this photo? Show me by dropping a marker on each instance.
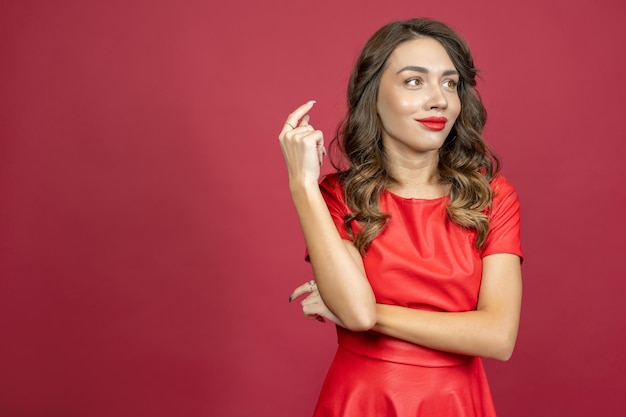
(324, 150)
(306, 118)
(290, 297)
(311, 102)
(320, 319)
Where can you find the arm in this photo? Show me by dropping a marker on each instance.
(336, 263)
(489, 331)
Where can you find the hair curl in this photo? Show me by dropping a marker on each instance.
(465, 163)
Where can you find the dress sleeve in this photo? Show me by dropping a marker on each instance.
(504, 228)
(333, 196)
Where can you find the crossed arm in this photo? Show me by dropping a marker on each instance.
(489, 331)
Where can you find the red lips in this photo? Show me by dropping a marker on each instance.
(434, 123)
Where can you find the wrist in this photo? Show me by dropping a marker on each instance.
(303, 186)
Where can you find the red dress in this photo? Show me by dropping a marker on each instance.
(421, 260)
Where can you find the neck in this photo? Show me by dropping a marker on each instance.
(417, 176)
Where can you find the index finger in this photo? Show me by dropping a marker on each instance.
(302, 289)
(294, 118)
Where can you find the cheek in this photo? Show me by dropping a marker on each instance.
(395, 104)
(454, 106)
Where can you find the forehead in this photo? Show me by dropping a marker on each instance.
(424, 52)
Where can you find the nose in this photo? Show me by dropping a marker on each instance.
(436, 98)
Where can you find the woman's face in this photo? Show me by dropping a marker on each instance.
(418, 101)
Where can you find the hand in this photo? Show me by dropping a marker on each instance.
(313, 306)
(302, 146)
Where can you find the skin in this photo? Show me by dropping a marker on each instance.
(418, 82)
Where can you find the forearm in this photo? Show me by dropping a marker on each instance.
(340, 278)
(477, 333)
(489, 331)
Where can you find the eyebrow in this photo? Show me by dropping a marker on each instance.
(425, 70)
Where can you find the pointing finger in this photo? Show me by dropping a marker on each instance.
(307, 287)
(294, 118)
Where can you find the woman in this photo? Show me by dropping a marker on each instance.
(415, 245)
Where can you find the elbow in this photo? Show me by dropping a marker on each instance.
(361, 322)
(503, 355)
(360, 325)
(502, 349)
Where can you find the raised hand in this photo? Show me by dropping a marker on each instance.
(302, 146)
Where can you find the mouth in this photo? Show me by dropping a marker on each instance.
(434, 123)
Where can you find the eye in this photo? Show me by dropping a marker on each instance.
(451, 84)
(413, 82)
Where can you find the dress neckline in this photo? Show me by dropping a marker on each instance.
(417, 200)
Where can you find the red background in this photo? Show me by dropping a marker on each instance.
(148, 241)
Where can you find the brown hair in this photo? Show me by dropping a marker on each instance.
(465, 162)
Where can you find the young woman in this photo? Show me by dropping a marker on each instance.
(415, 245)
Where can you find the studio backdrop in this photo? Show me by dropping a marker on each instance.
(148, 243)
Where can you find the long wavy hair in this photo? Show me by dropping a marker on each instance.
(465, 162)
